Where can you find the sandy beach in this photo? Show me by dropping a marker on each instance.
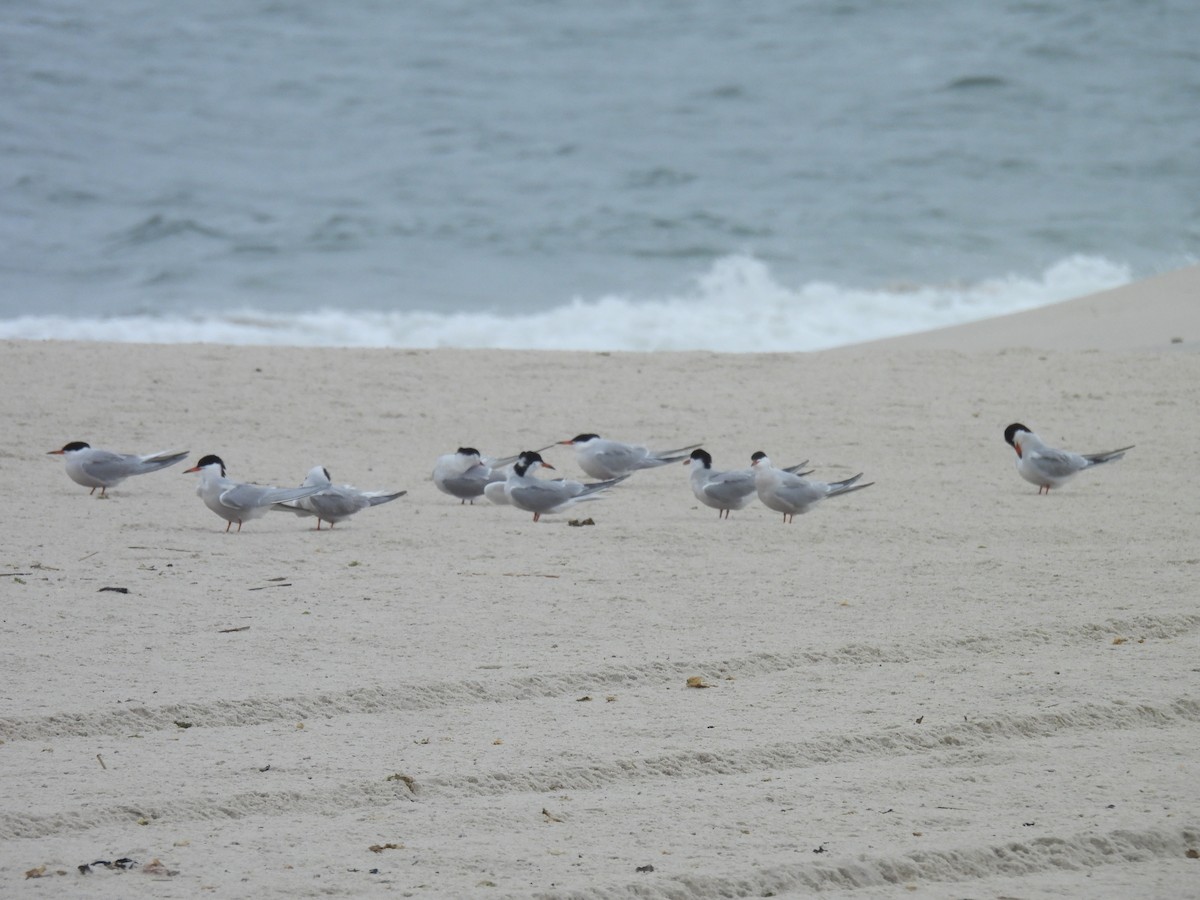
(943, 686)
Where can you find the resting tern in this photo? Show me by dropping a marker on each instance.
(601, 458)
(334, 502)
(103, 469)
(539, 496)
(789, 493)
(1048, 467)
(466, 472)
(235, 501)
(723, 491)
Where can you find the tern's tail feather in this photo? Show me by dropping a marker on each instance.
(653, 462)
(595, 486)
(283, 495)
(594, 495)
(155, 461)
(509, 460)
(848, 486)
(1095, 459)
(376, 499)
(292, 506)
(660, 454)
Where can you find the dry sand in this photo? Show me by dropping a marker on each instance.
(943, 686)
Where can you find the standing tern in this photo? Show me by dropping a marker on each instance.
(465, 473)
(601, 458)
(789, 493)
(235, 501)
(723, 491)
(539, 496)
(103, 469)
(1048, 467)
(334, 502)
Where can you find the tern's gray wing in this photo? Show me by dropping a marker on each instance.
(799, 492)
(623, 458)
(1057, 463)
(252, 496)
(730, 487)
(335, 503)
(543, 496)
(104, 465)
(469, 484)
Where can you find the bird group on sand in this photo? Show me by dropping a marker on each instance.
(468, 475)
(233, 501)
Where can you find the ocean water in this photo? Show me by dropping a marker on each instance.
(556, 174)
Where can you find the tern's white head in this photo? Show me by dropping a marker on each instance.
(71, 449)
(317, 475)
(528, 462)
(701, 458)
(760, 460)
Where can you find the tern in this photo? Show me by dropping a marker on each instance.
(95, 468)
(793, 494)
(465, 473)
(602, 458)
(723, 491)
(538, 496)
(1048, 467)
(236, 501)
(334, 502)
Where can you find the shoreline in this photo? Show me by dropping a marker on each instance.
(700, 324)
(1157, 313)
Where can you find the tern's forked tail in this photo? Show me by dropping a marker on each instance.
(1095, 459)
(848, 486)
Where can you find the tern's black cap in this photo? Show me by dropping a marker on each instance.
(1010, 432)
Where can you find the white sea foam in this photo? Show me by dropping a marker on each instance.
(737, 306)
